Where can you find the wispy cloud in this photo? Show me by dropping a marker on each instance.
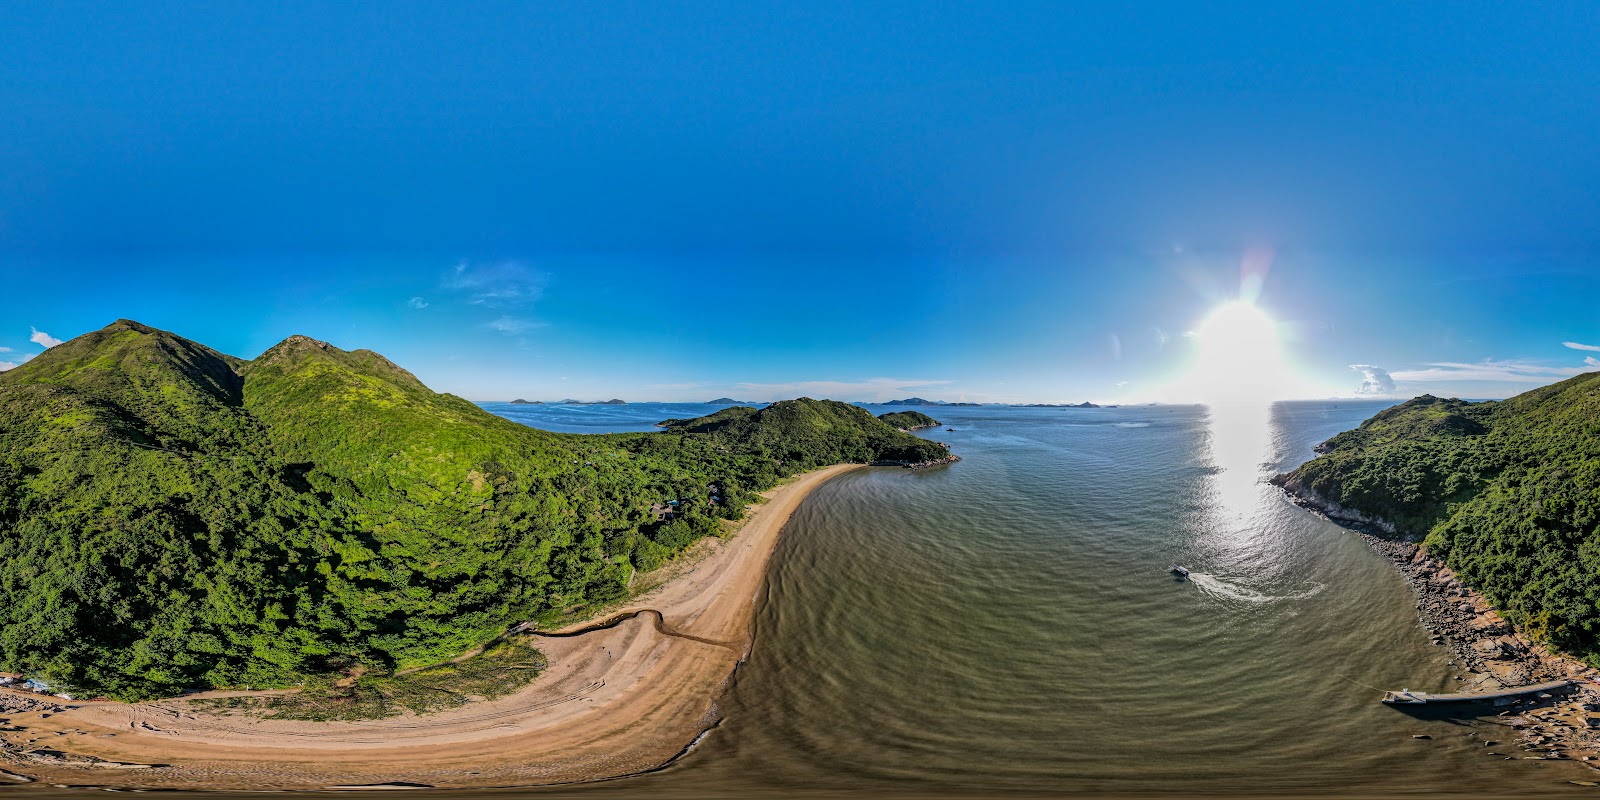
(1581, 346)
(5, 365)
(1374, 380)
(508, 287)
(510, 325)
(1592, 361)
(41, 338)
(1491, 370)
(870, 389)
(417, 303)
(506, 284)
(5, 349)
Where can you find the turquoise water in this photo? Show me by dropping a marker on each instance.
(1008, 623)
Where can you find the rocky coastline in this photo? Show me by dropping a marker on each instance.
(937, 462)
(1488, 650)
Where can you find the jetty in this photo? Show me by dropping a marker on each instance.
(1406, 697)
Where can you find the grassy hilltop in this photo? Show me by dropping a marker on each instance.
(1507, 493)
(172, 517)
(909, 420)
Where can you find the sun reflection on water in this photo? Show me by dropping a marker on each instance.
(1239, 435)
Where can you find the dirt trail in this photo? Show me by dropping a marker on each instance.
(623, 694)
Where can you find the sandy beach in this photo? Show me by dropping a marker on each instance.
(624, 693)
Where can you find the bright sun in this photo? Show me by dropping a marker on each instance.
(1239, 357)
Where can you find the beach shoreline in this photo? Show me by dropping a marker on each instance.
(626, 692)
(1487, 649)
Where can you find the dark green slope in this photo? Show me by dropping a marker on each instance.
(1507, 493)
(909, 420)
(810, 433)
(149, 536)
(173, 518)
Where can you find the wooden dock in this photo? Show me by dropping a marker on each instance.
(1406, 697)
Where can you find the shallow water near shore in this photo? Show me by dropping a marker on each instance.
(1008, 624)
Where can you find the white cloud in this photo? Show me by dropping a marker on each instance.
(507, 284)
(868, 390)
(42, 338)
(1592, 361)
(5, 365)
(1580, 346)
(5, 349)
(1490, 370)
(510, 325)
(1374, 380)
(417, 303)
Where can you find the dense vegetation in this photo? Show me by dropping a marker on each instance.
(172, 517)
(1507, 493)
(909, 420)
(804, 434)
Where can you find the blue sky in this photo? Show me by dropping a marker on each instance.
(667, 201)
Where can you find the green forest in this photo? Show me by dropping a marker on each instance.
(909, 420)
(173, 518)
(1506, 492)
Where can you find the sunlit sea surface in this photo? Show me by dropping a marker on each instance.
(1008, 624)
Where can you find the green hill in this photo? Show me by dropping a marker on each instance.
(804, 434)
(1507, 493)
(175, 518)
(909, 420)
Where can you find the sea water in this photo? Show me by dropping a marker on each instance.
(1008, 623)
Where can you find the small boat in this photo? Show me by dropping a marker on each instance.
(1181, 572)
(1406, 697)
(949, 430)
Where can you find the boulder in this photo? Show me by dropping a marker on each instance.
(1490, 624)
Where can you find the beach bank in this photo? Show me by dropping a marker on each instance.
(624, 693)
(1489, 652)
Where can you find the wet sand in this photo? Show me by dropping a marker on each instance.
(623, 694)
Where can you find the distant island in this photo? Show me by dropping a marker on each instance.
(909, 420)
(918, 401)
(611, 402)
(520, 402)
(1084, 404)
(728, 401)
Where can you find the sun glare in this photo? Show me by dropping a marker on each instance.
(1239, 357)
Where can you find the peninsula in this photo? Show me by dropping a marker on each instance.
(318, 517)
(1490, 510)
(909, 420)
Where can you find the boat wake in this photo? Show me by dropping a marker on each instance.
(1223, 587)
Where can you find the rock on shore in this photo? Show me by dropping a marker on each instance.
(1489, 651)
